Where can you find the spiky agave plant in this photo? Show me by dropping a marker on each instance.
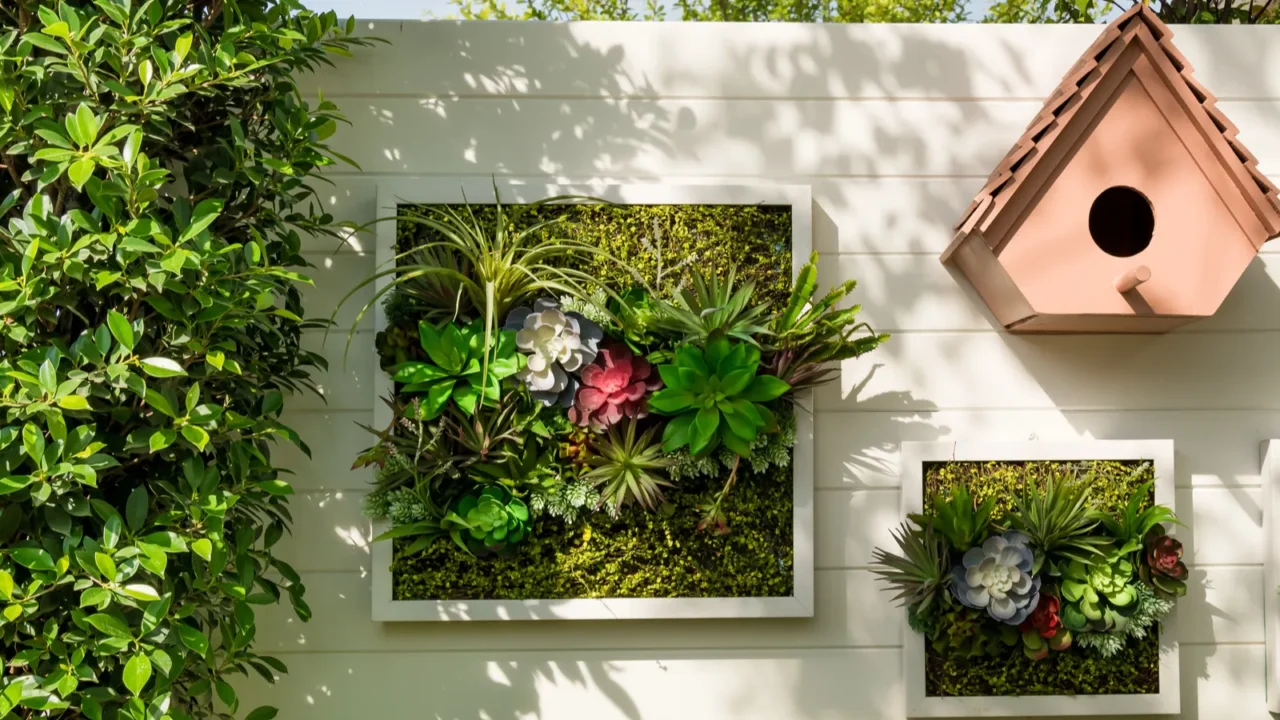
(711, 307)
(627, 467)
(1058, 521)
(922, 569)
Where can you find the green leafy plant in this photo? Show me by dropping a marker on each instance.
(491, 520)
(463, 367)
(710, 308)
(520, 469)
(156, 161)
(714, 397)
(960, 519)
(1058, 521)
(810, 334)
(922, 570)
(1133, 524)
(626, 467)
(1097, 597)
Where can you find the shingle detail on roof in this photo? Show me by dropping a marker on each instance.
(1137, 25)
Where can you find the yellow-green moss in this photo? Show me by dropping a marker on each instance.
(1133, 670)
(641, 554)
(757, 238)
(1111, 484)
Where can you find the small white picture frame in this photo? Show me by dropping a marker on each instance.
(920, 705)
(481, 191)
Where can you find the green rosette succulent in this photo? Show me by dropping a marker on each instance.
(1098, 597)
(492, 520)
(458, 368)
(714, 397)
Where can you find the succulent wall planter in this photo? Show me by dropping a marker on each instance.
(551, 368)
(1271, 569)
(916, 458)
(1128, 205)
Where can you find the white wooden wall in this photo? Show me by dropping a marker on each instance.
(895, 128)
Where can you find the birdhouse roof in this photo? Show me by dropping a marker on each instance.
(1066, 116)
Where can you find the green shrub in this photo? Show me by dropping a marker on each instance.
(154, 154)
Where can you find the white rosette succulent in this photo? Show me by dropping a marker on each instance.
(558, 344)
(998, 578)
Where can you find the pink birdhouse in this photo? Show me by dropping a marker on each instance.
(1128, 205)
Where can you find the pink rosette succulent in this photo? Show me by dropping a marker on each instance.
(615, 386)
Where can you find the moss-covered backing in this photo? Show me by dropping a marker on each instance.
(757, 238)
(1133, 670)
(641, 554)
(1111, 483)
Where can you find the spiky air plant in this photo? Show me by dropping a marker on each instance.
(627, 467)
(921, 572)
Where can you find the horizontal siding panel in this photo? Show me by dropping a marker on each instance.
(335, 440)
(773, 60)
(945, 371)
(348, 382)
(858, 450)
(333, 276)
(853, 609)
(330, 532)
(668, 137)
(918, 293)
(1219, 683)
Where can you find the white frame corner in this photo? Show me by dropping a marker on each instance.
(919, 705)
(482, 191)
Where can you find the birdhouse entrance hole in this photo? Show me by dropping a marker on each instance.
(1121, 221)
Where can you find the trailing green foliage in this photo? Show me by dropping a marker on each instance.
(153, 202)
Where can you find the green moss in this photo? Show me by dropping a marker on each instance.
(1134, 670)
(755, 237)
(641, 554)
(1111, 484)
(1076, 671)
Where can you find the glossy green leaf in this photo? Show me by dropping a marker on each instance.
(162, 367)
(120, 329)
(33, 558)
(110, 625)
(137, 672)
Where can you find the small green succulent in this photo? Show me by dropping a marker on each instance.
(519, 468)
(1098, 597)
(711, 308)
(492, 520)
(714, 397)
(459, 368)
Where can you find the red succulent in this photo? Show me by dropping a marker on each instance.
(1045, 618)
(613, 387)
(1164, 556)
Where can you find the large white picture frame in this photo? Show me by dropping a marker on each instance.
(919, 705)
(481, 191)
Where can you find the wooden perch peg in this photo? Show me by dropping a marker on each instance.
(1132, 279)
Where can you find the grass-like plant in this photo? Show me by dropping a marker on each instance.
(1131, 526)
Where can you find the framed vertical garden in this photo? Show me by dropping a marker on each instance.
(454, 584)
(1050, 659)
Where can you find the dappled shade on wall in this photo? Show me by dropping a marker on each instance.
(1128, 204)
